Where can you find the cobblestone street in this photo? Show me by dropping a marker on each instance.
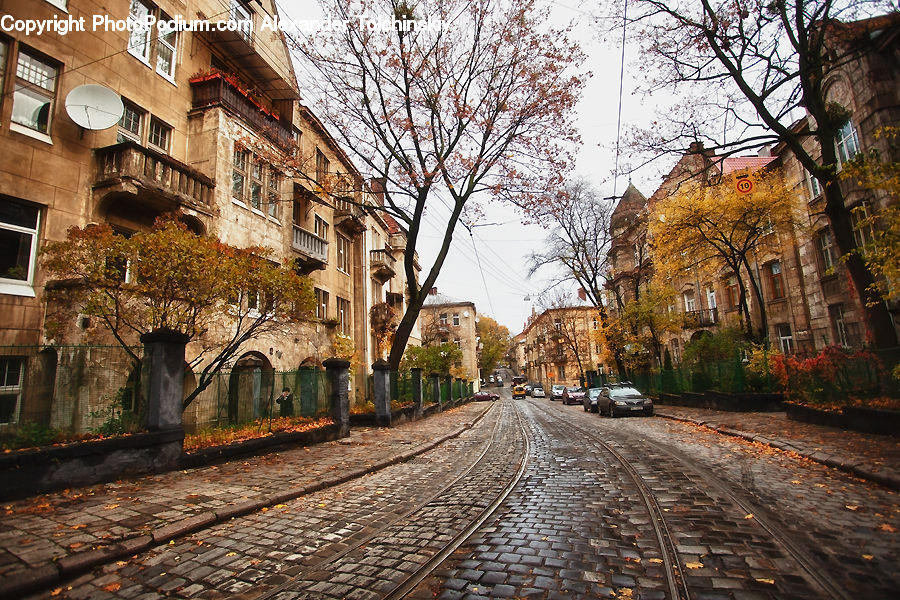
(596, 507)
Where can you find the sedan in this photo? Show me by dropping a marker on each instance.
(556, 392)
(538, 392)
(623, 400)
(590, 400)
(573, 395)
(485, 396)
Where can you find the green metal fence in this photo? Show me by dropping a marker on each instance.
(725, 376)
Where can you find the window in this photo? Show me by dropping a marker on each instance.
(457, 343)
(343, 308)
(343, 254)
(239, 173)
(776, 280)
(256, 184)
(165, 47)
(595, 324)
(690, 304)
(18, 246)
(785, 339)
(159, 136)
(711, 298)
(321, 303)
(241, 13)
(825, 243)
(863, 232)
(557, 324)
(731, 288)
(676, 350)
(320, 227)
(443, 318)
(813, 185)
(12, 369)
(846, 142)
(274, 193)
(456, 318)
(297, 136)
(59, 3)
(131, 125)
(836, 313)
(34, 92)
(322, 166)
(139, 38)
(4, 51)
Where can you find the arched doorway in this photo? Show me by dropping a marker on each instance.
(250, 388)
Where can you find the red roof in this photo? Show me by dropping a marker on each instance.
(739, 163)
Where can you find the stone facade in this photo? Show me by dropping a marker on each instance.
(443, 319)
(561, 344)
(213, 127)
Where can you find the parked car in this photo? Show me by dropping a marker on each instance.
(499, 381)
(485, 396)
(556, 392)
(590, 400)
(528, 388)
(518, 391)
(573, 395)
(538, 392)
(618, 400)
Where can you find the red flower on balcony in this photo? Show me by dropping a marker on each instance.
(233, 80)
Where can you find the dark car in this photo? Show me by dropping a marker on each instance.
(528, 388)
(590, 400)
(485, 396)
(556, 392)
(623, 400)
(573, 395)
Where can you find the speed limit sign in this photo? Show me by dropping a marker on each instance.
(744, 185)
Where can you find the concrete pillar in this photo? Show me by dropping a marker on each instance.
(416, 382)
(435, 380)
(338, 371)
(162, 378)
(449, 380)
(382, 383)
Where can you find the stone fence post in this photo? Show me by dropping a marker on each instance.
(382, 378)
(436, 390)
(338, 371)
(162, 378)
(416, 381)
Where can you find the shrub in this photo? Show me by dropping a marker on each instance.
(829, 376)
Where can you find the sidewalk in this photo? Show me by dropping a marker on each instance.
(55, 536)
(868, 456)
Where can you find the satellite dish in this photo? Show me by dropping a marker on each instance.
(94, 106)
(466, 314)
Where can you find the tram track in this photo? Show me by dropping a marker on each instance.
(815, 572)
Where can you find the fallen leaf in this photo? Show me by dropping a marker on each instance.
(280, 505)
(624, 593)
(694, 565)
(265, 508)
(231, 554)
(796, 481)
(76, 545)
(887, 527)
(56, 592)
(121, 563)
(81, 526)
(868, 556)
(764, 580)
(851, 507)
(112, 587)
(748, 516)
(111, 506)
(656, 561)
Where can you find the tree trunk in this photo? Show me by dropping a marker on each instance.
(757, 293)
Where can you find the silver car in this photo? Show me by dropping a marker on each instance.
(538, 392)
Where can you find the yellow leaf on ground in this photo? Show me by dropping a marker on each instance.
(748, 516)
(868, 556)
(764, 580)
(694, 565)
(796, 481)
(656, 561)
(280, 505)
(624, 593)
(56, 592)
(231, 554)
(887, 527)
(851, 507)
(111, 506)
(112, 587)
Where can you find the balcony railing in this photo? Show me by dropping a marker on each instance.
(349, 216)
(383, 264)
(695, 319)
(153, 171)
(313, 248)
(216, 90)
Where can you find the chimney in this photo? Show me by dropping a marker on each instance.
(765, 151)
(432, 291)
(582, 295)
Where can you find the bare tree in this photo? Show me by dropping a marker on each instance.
(751, 66)
(443, 101)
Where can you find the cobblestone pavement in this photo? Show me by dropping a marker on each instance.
(584, 536)
(574, 526)
(40, 534)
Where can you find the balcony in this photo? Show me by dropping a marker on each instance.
(382, 264)
(349, 216)
(160, 182)
(695, 319)
(312, 249)
(220, 90)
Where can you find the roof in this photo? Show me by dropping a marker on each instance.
(739, 163)
(445, 300)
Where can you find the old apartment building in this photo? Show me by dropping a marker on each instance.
(444, 320)
(561, 344)
(807, 294)
(213, 126)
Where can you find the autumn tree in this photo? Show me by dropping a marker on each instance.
(494, 342)
(478, 101)
(578, 244)
(715, 229)
(742, 70)
(170, 279)
(568, 330)
(440, 359)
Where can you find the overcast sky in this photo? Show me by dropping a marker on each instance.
(489, 267)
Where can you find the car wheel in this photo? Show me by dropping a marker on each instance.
(595, 409)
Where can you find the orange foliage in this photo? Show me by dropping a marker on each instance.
(209, 438)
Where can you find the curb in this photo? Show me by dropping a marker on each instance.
(841, 464)
(39, 578)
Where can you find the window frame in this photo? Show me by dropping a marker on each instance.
(23, 287)
(273, 193)
(342, 246)
(10, 390)
(256, 184)
(825, 250)
(163, 126)
(733, 292)
(776, 280)
(22, 86)
(239, 171)
(839, 325)
(861, 224)
(321, 303)
(162, 42)
(690, 302)
(320, 226)
(343, 314)
(128, 134)
(846, 139)
(146, 42)
(785, 338)
(322, 166)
